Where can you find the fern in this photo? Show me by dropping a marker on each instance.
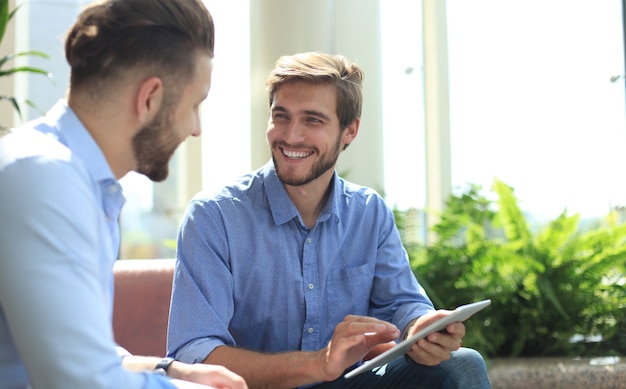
(547, 284)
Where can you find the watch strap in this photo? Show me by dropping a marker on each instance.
(163, 365)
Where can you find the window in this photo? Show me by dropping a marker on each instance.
(153, 211)
(403, 114)
(532, 102)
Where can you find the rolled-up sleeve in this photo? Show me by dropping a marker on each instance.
(202, 296)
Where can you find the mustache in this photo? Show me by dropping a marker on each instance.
(285, 145)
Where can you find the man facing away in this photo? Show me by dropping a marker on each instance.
(139, 71)
(291, 275)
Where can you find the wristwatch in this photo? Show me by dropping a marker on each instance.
(163, 365)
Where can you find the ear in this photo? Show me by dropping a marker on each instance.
(350, 132)
(149, 99)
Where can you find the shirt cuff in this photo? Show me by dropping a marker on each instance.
(122, 352)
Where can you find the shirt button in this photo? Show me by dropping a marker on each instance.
(310, 330)
(311, 286)
(308, 240)
(113, 188)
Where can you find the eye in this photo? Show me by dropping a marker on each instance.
(279, 116)
(313, 120)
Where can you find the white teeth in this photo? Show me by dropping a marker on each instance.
(296, 154)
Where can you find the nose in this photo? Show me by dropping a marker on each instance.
(294, 132)
(197, 128)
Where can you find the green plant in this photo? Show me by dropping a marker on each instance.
(548, 284)
(5, 17)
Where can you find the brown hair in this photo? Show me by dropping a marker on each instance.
(157, 37)
(317, 67)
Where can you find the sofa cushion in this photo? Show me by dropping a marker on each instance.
(143, 290)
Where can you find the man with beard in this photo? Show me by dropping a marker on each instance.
(139, 71)
(291, 275)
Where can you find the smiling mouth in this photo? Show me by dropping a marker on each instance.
(296, 154)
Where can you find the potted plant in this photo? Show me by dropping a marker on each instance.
(5, 17)
(557, 288)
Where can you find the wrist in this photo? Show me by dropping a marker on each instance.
(407, 329)
(321, 368)
(164, 366)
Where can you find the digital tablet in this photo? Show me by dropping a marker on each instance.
(461, 313)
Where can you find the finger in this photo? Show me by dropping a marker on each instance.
(457, 329)
(364, 320)
(423, 355)
(438, 350)
(369, 328)
(444, 340)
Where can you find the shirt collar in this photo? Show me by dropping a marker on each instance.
(74, 135)
(281, 206)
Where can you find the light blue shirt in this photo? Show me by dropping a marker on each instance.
(250, 274)
(59, 238)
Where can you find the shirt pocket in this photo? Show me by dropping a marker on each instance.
(348, 292)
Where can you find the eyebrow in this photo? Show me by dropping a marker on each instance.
(306, 112)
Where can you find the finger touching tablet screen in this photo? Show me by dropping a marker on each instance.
(460, 314)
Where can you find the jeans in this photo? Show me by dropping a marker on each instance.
(464, 370)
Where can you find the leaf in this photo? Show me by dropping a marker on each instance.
(13, 12)
(603, 262)
(510, 215)
(14, 102)
(35, 53)
(27, 69)
(554, 238)
(4, 17)
(546, 289)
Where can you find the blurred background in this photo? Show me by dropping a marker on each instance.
(457, 92)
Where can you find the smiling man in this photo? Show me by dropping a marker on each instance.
(291, 275)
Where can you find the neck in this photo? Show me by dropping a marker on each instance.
(108, 126)
(309, 199)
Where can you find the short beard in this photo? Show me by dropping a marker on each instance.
(154, 146)
(327, 162)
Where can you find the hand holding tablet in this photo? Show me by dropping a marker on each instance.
(460, 314)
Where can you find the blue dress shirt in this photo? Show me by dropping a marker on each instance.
(250, 274)
(59, 238)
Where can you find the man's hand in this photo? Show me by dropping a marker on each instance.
(214, 376)
(352, 340)
(436, 347)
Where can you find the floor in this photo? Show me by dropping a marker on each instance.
(558, 373)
